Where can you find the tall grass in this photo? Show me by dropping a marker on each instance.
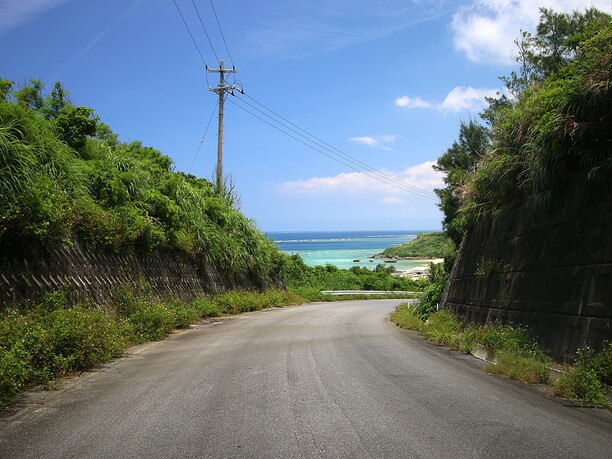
(557, 125)
(405, 316)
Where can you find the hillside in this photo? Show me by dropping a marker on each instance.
(64, 175)
(426, 245)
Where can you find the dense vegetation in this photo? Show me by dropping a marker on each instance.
(301, 278)
(426, 245)
(64, 173)
(555, 121)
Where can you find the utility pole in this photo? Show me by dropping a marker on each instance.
(221, 90)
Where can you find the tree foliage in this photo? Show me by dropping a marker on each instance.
(425, 245)
(296, 274)
(557, 122)
(457, 163)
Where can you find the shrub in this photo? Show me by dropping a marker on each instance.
(469, 339)
(206, 308)
(15, 371)
(598, 362)
(79, 338)
(38, 345)
(432, 294)
(581, 384)
(184, 314)
(496, 337)
(151, 322)
(587, 381)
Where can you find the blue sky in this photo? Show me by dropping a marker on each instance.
(385, 81)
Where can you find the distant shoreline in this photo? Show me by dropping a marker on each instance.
(397, 258)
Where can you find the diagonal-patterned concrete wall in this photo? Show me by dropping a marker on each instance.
(85, 273)
(551, 272)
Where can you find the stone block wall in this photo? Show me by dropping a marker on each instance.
(87, 273)
(549, 271)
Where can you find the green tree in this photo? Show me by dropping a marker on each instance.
(6, 89)
(74, 124)
(457, 163)
(558, 37)
(558, 124)
(106, 135)
(56, 101)
(30, 95)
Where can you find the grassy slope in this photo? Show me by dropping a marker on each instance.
(426, 245)
(65, 175)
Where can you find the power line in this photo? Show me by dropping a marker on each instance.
(203, 137)
(339, 153)
(189, 32)
(222, 34)
(319, 145)
(205, 31)
(418, 192)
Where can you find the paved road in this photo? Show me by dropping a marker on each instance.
(322, 380)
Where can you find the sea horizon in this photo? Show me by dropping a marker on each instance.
(343, 248)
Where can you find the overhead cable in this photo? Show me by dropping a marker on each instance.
(309, 143)
(335, 150)
(203, 137)
(205, 31)
(222, 34)
(356, 163)
(189, 32)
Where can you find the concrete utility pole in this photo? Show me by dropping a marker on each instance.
(221, 90)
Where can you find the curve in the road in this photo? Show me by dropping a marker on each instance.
(321, 380)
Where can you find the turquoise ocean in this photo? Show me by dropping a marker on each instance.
(341, 248)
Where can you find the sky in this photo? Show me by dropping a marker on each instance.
(385, 82)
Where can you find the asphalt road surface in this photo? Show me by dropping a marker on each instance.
(321, 380)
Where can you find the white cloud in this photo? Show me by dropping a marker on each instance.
(459, 99)
(411, 102)
(14, 13)
(485, 30)
(382, 141)
(422, 176)
(462, 98)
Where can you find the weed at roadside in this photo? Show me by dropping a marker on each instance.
(523, 368)
(586, 382)
(404, 316)
(443, 328)
(517, 354)
(582, 385)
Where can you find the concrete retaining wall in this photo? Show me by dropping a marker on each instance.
(551, 272)
(87, 273)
